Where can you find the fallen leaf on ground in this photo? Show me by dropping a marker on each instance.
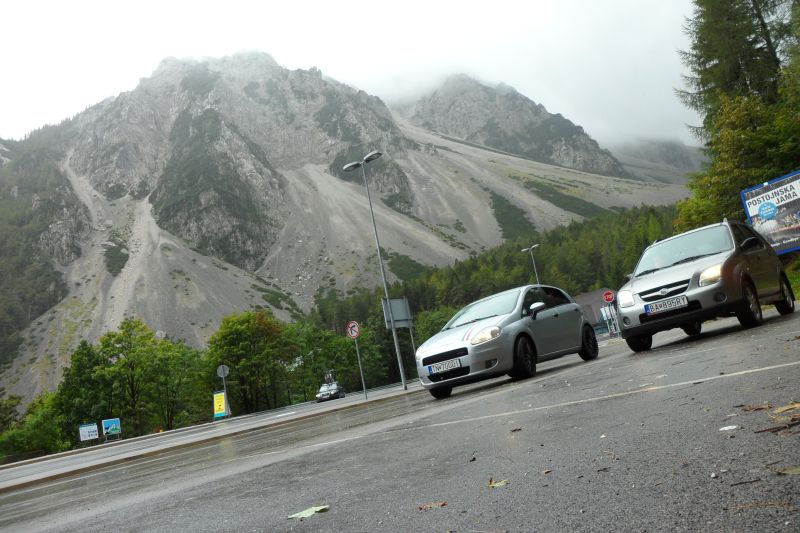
(604, 469)
(429, 506)
(495, 484)
(793, 470)
(547, 471)
(757, 407)
(311, 511)
(515, 430)
(786, 408)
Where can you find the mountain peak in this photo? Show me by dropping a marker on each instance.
(501, 118)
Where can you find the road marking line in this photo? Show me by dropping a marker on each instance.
(614, 395)
(543, 407)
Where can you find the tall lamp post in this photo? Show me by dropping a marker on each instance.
(530, 249)
(372, 156)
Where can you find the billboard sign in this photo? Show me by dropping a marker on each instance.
(773, 209)
(88, 431)
(112, 426)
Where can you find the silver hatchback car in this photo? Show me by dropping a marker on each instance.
(725, 269)
(508, 332)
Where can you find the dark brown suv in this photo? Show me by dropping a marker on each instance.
(725, 269)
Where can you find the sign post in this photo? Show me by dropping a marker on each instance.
(353, 331)
(221, 407)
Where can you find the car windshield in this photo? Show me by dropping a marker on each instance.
(499, 304)
(324, 388)
(684, 248)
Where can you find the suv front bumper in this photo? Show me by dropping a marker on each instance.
(705, 303)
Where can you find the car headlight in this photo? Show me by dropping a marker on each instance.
(485, 334)
(711, 275)
(625, 298)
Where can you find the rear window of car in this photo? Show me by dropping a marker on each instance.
(684, 248)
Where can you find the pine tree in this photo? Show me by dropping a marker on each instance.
(738, 49)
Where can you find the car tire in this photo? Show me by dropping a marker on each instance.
(441, 392)
(749, 313)
(341, 394)
(524, 359)
(692, 328)
(589, 348)
(786, 305)
(640, 343)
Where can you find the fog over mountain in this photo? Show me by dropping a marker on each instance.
(216, 186)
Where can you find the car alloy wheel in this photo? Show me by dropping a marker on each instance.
(441, 392)
(589, 348)
(750, 314)
(640, 343)
(692, 328)
(524, 359)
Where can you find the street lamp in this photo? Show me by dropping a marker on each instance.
(530, 249)
(372, 156)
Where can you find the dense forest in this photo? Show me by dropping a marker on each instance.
(744, 79)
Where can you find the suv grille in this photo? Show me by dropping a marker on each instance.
(444, 356)
(665, 291)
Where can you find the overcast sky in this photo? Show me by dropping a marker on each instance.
(610, 66)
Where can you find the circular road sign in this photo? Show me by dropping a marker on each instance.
(353, 329)
(222, 371)
(608, 296)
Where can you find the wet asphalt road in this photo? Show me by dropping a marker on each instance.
(629, 442)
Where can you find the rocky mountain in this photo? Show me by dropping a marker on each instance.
(216, 186)
(662, 160)
(501, 118)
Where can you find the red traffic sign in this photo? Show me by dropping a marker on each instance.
(353, 329)
(608, 296)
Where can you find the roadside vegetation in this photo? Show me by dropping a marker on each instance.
(744, 79)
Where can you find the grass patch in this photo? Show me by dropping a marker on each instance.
(449, 239)
(405, 268)
(278, 299)
(511, 219)
(116, 256)
(552, 194)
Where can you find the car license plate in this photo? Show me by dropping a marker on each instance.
(444, 366)
(666, 305)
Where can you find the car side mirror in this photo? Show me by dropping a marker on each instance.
(749, 243)
(627, 278)
(535, 308)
